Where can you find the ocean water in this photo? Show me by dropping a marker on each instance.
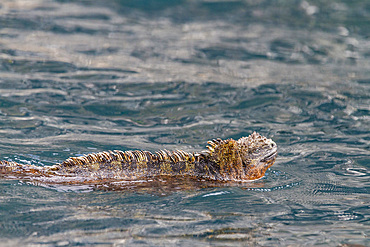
(85, 76)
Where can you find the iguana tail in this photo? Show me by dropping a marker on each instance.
(10, 169)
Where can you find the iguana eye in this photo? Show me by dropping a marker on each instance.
(257, 151)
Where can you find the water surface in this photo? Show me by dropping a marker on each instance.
(84, 76)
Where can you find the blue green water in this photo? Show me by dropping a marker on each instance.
(85, 76)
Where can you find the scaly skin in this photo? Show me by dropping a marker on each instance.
(225, 160)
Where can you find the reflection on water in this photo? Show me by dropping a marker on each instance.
(87, 76)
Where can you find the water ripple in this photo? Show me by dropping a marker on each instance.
(85, 76)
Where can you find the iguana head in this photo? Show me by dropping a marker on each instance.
(245, 159)
(257, 153)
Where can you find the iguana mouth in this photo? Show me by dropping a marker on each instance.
(271, 155)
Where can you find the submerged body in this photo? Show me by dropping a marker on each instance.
(225, 160)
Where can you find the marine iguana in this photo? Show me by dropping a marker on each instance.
(225, 160)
